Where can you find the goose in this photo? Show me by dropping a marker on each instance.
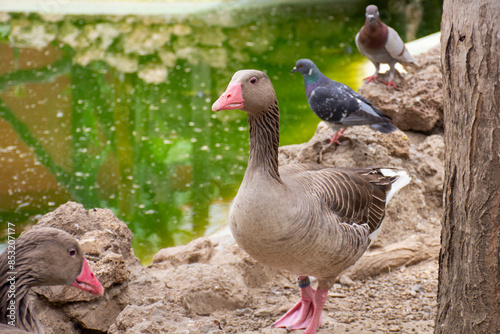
(309, 219)
(382, 44)
(41, 256)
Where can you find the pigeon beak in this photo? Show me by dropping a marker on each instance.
(232, 98)
(87, 281)
(370, 17)
(294, 69)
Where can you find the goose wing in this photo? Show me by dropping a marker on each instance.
(355, 195)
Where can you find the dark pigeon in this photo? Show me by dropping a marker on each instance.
(337, 104)
(382, 45)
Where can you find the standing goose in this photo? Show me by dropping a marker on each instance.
(337, 104)
(381, 44)
(306, 218)
(43, 256)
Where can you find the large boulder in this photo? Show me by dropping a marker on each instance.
(106, 243)
(418, 104)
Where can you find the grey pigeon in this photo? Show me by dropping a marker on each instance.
(337, 104)
(382, 45)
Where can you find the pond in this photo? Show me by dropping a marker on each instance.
(114, 111)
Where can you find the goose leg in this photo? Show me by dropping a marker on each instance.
(319, 301)
(375, 75)
(303, 313)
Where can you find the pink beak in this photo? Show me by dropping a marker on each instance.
(232, 98)
(87, 281)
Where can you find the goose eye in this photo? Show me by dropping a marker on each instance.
(253, 80)
(72, 252)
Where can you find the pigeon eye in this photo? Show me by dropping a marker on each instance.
(300, 65)
(72, 252)
(253, 80)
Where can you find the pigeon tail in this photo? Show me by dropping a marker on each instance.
(384, 127)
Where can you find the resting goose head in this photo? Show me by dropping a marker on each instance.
(54, 257)
(250, 91)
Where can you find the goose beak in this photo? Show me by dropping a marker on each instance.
(232, 98)
(87, 281)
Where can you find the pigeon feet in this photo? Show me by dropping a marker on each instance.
(390, 84)
(335, 137)
(370, 78)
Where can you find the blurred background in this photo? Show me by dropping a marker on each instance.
(109, 103)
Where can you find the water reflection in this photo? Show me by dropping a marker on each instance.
(114, 111)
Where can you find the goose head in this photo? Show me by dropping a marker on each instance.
(54, 257)
(250, 91)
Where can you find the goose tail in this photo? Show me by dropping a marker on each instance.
(399, 179)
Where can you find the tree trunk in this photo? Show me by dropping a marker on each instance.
(469, 268)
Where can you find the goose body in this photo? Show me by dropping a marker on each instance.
(278, 226)
(306, 218)
(43, 256)
(381, 44)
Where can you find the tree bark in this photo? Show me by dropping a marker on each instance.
(469, 270)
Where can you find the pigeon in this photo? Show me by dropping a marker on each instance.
(381, 44)
(337, 104)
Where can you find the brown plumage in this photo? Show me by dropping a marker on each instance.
(309, 219)
(382, 45)
(41, 256)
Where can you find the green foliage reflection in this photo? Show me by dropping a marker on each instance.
(127, 121)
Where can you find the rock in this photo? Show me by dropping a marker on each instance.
(73, 218)
(273, 331)
(158, 318)
(199, 250)
(336, 295)
(58, 320)
(106, 242)
(208, 288)
(412, 250)
(243, 312)
(417, 288)
(263, 313)
(418, 105)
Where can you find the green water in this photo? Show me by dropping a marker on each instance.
(115, 111)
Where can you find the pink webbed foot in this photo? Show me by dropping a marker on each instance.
(335, 137)
(370, 78)
(390, 84)
(307, 312)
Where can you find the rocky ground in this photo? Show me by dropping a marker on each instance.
(212, 286)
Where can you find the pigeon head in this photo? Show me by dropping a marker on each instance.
(308, 69)
(372, 14)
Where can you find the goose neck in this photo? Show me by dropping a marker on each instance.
(15, 284)
(264, 141)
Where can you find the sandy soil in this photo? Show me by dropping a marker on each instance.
(403, 301)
